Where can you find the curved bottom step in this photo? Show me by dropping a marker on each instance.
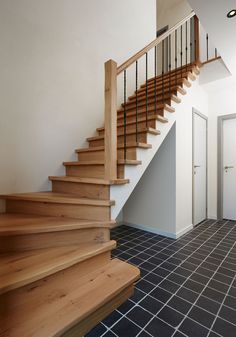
(67, 305)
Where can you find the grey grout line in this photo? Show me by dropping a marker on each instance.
(174, 293)
(222, 303)
(137, 304)
(212, 275)
(171, 273)
(166, 247)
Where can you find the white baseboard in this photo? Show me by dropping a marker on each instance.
(159, 232)
(183, 231)
(212, 217)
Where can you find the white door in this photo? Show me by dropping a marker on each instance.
(199, 168)
(229, 169)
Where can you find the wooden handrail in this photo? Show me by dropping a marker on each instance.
(151, 45)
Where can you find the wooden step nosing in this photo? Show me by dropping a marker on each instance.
(94, 249)
(101, 148)
(88, 163)
(70, 200)
(92, 181)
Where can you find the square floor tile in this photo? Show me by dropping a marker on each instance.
(139, 316)
(126, 328)
(112, 318)
(230, 302)
(208, 304)
(224, 328)
(145, 286)
(161, 294)
(171, 316)
(153, 278)
(228, 314)
(187, 295)
(179, 304)
(201, 316)
(158, 328)
(193, 329)
(150, 304)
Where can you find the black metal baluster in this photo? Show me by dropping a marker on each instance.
(146, 89)
(170, 65)
(181, 53)
(191, 40)
(216, 54)
(163, 64)
(155, 81)
(124, 114)
(186, 49)
(176, 60)
(136, 101)
(207, 46)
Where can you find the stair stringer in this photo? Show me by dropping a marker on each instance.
(121, 193)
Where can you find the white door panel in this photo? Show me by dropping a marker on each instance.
(199, 168)
(229, 169)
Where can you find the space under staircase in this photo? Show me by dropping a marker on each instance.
(57, 277)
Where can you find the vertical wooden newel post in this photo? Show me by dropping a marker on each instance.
(110, 120)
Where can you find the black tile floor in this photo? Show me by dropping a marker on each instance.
(187, 288)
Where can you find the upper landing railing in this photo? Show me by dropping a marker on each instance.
(159, 66)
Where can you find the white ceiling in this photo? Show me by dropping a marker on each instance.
(221, 30)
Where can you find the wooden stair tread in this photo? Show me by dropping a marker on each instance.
(151, 109)
(20, 224)
(63, 198)
(119, 146)
(100, 162)
(74, 300)
(95, 181)
(21, 268)
(147, 130)
(142, 119)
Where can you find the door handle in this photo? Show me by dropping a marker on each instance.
(197, 166)
(228, 167)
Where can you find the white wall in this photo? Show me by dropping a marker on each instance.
(221, 102)
(51, 78)
(152, 215)
(171, 12)
(196, 98)
(152, 203)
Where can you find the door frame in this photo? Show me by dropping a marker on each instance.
(220, 181)
(196, 112)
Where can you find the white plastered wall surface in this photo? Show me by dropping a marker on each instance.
(159, 218)
(52, 79)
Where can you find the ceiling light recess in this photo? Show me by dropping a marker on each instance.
(231, 13)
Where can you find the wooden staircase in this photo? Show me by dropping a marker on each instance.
(57, 277)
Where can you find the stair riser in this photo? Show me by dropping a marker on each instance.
(23, 294)
(91, 171)
(88, 212)
(159, 87)
(141, 113)
(53, 239)
(85, 326)
(132, 127)
(172, 75)
(99, 155)
(129, 138)
(131, 117)
(151, 107)
(151, 93)
(151, 101)
(82, 190)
